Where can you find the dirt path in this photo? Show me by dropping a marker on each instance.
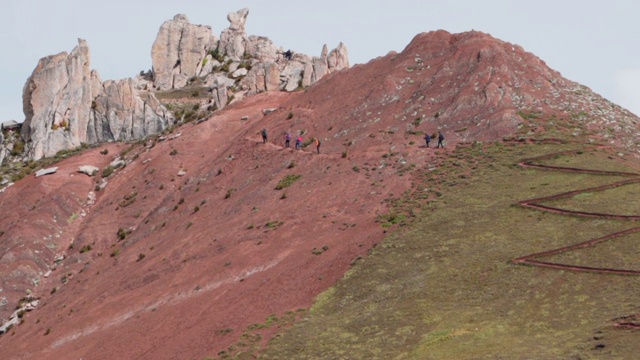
(627, 322)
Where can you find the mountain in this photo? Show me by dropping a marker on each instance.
(183, 243)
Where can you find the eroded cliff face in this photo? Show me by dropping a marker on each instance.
(57, 102)
(178, 51)
(66, 104)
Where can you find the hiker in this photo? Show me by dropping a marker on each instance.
(288, 55)
(264, 136)
(318, 145)
(427, 139)
(440, 139)
(298, 142)
(287, 139)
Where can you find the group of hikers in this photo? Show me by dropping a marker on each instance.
(298, 146)
(427, 139)
(287, 140)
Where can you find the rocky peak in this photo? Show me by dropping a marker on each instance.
(66, 105)
(57, 102)
(238, 19)
(178, 51)
(252, 62)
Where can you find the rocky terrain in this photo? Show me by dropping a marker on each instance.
(182, 240)
(66, 103)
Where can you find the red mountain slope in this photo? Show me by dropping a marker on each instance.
(218, 248)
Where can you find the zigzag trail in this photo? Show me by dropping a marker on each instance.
(628, 322)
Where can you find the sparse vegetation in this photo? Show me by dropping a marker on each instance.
(272, 224)
(287, 181)
(122, 233)
(128, 199)
(107, 171)
(229, 192)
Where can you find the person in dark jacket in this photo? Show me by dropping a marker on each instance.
(427, 139)
(264, 136)
(440, 140)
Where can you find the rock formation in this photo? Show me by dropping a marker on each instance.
(66, 105)
(252, 61)
(57, 102)
(178, 52)
(121, 112)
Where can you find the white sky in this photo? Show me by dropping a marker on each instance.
(595, 43)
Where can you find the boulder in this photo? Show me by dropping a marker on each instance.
(10, 125)
(261, 49)
(238, 73)
(178, 51)
(46, 171)
(88, 170)
(272, 77)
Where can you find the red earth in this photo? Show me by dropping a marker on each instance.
(191, 243)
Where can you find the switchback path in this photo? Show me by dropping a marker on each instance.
(628, 322)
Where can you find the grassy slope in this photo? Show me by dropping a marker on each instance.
(444, 288)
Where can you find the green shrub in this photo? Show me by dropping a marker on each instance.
(18, 148)
(229, 192)
(287, 181)
(107, 171)
(122, 234)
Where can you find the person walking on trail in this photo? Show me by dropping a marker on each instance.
(264, 136)
(440, 140)
(287, 139)
(427, 139)
(298, 142)
(318, 145)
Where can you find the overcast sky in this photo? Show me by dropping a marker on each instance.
(595, 43)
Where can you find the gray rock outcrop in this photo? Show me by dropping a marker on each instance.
(120, 112)
(57, 102)
(233, 40)
(89, 170)
(178, 52)
(66, 104)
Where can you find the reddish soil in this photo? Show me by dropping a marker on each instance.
(218, 249)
